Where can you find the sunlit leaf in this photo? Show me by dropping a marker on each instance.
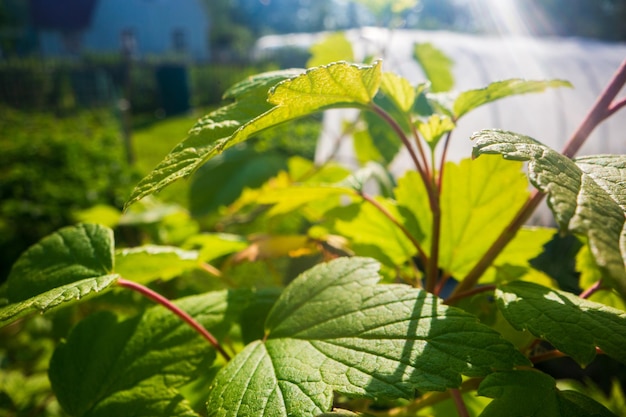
(479, 198)
(335, 85)
(371, 233)
(144, 264)
(334, 47)
(101, 214)
(527, 244)
(434, 128)
(469, 100)
(573, 325)
(212, 134)
(290, 198)
(436, 66)
(609, 172)
(339, 83)
(399, 90)
(215, 245)
(579, 204)
(271, 247)
(531, 393)
(334, 329)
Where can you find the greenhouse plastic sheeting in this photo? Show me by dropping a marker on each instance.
(550, 117)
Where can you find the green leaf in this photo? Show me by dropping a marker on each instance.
(334, 47)
(144, 264)
(436, 66)
(434, 128)
(73, 292)
(212, 134)
(371, 233)
(335, 85)
(528, 243)
(532, 393)
(109, 367)
(100, 213)
(68, 255)
(215, 245)
(469, 100)
(478, 200)
(399, 90)
(578, 202)
(334, 329)
(609, 172)
(573, 325)
(221, 181)
(288, 199)
(64, 266)
(384, 139)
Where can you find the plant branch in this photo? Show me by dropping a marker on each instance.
(597, 286)
(446, 145)
(601, 109)
(472, 277)
(458, 402)
(616, 106)
(158, 298)
(476, 290)
(420, 149)
(395, 221)
(405, 140)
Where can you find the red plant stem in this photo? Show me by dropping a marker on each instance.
(601, 109)
(158, 298)
(617, 105)
(446, 145)
(395, 221)
(591, 290)
(420, 149)
(432, 266)
(394, 125)
(476, 290)
(441, 283)
(458, 402)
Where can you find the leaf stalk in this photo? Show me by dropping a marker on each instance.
(405, 231)
(158, 298)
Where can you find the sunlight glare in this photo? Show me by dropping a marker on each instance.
(503, 16)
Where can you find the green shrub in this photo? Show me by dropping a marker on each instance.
(50, 167)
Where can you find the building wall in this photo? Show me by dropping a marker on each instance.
(155, 27)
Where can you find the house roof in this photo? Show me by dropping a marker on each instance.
(62, 14)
